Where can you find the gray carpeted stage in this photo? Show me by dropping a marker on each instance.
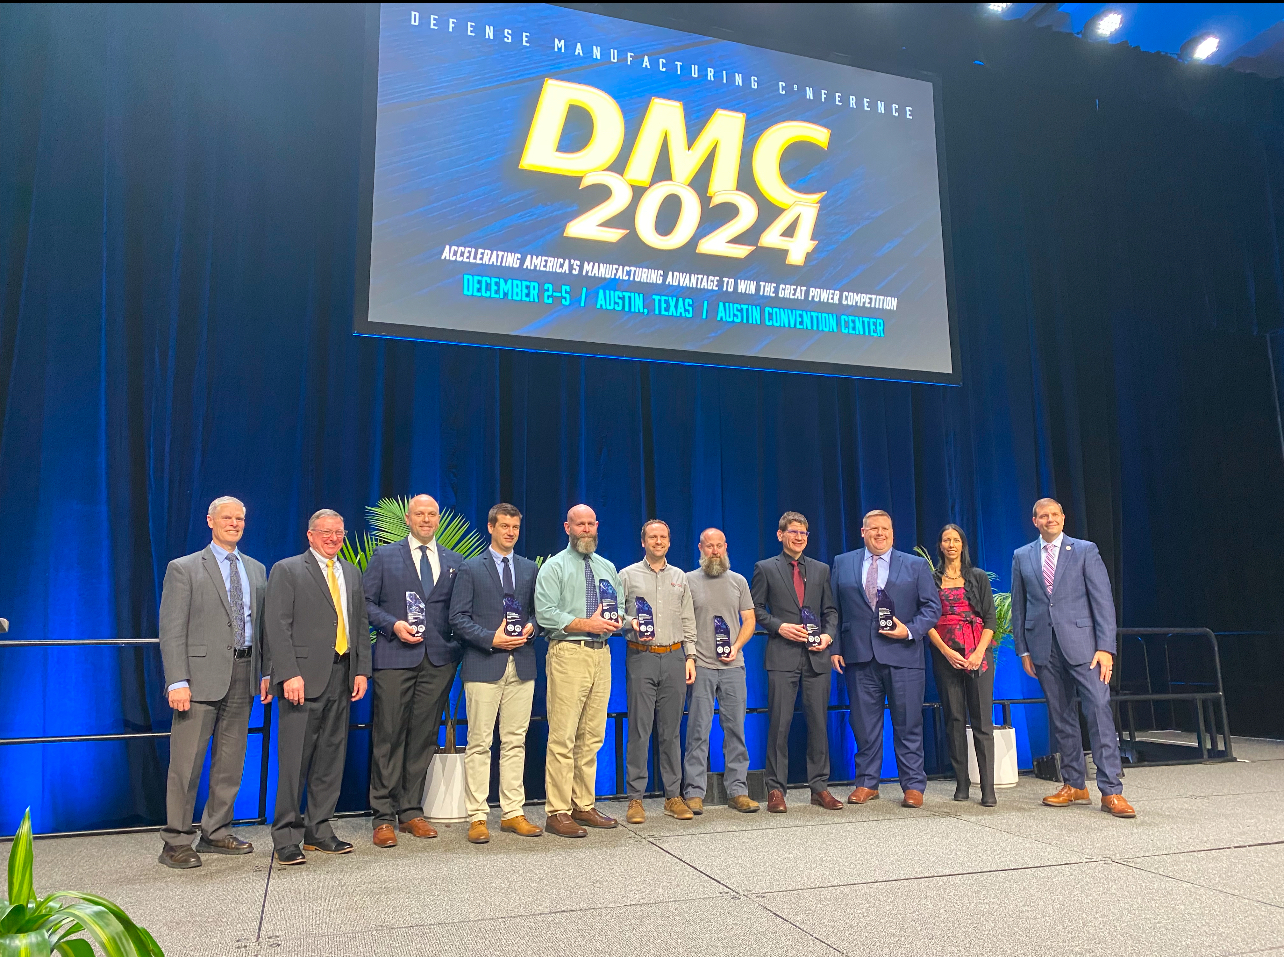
(1200, 871)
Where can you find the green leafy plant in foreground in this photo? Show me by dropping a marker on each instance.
(387, 518)
(31, 927)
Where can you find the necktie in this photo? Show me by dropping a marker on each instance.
(1049, 567)
(871, 580)
(341, 636)
(236, 598)
(425, 570)
(800, 586)
(591, 599)
(507, 577)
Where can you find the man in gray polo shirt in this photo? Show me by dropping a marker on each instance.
(718, 592)
(661, 663)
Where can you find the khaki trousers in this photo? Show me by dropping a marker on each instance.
(510, 699)
(579, 688)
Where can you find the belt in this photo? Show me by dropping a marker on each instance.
(239, 653)
(340, 657)
(654, 649)
(586, 642)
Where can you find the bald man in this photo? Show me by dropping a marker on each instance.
(568, 606)
(414, 669)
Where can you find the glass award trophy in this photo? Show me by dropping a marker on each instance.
(513, 623)
(610, 601)
(886, 611)
(416, 614)
(721, 637)
(813, 627)
(646, 619)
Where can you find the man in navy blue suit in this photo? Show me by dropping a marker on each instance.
(885, 665)
(413, 673)
(1063, 624)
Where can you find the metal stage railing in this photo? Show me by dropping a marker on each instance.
(1211, 720)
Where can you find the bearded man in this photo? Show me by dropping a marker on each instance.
(724, 624)
(577, 597)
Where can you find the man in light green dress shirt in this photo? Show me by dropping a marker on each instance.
(568, 608)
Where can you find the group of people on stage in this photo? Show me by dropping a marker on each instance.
(229, 631)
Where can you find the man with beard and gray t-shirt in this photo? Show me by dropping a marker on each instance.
(723, 604)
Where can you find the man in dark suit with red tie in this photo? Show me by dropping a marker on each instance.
(413, 673)
(782, 587)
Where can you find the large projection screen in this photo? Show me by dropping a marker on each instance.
(543, 178)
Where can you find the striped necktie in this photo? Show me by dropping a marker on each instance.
(1049, 566)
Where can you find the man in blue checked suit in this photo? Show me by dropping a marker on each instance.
(1063, 624)
(885, 665)
(413, 673)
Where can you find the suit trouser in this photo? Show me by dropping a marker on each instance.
(1059, 679)
(729, 687)
(510, 699)
(869, 683)
(579, 689)
(312, 743)
(405, 719)
(227, 721)
(972, 698)
(657, 691)
(782, 693)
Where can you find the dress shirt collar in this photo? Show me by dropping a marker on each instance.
(324, 562)
(1056, 542)
(498, 557)
(221, 553)
(785, 555)
(416, 544)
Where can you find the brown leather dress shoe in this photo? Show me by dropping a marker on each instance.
(478, 833)
(636, 814)
(385, 835)
(223, 845)
(696, 805)
(418, 827)
(912, 799)
(826, 800)
(742, 803)
(677, 808)
(1066, 795)
(562, 825)
(1116, 805)
(862, 796)
(592, 817)
(179, 856)
(776, 802)
(517, 824)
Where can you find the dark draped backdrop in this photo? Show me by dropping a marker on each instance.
(178, 239)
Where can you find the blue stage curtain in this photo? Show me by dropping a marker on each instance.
(178, 238)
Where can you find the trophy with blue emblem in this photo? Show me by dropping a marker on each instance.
(416, 614)
(609, 599)
(886, 611)
(813, 627)
(513, 623)
(721, 637)
(646, 619)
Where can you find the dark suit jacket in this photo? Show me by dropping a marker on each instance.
(477, 609)
(915, 600)
(390, 574)
(1080, 609)
(775, 602)
(300, 620)
(196, 624)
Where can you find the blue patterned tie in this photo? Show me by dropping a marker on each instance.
(425, 570)
(507, 577)
(236, 598)
(591, 600)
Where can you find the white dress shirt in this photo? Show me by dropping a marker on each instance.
(434, 560)
(343, 591)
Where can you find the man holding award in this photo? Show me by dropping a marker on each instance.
(661, 663)
(725, 620)
(577, 601)
(408, 586)
(887, 602)
(793, 602)
(492, 611)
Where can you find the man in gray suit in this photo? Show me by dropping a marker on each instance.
(319, 639)
(211, 619)
(1063, 624)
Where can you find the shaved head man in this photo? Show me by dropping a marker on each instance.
(577, 602)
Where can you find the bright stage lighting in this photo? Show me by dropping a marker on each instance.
(1205, 47)
(1107, 23)
(998, 7)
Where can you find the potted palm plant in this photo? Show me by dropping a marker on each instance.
(41, 927)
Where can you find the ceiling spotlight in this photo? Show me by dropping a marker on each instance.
(1199, 47)
(998, 7)
(1107, 23)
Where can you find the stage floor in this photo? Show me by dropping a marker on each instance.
(1199, 871)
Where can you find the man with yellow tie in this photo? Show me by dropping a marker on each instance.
(315, 619)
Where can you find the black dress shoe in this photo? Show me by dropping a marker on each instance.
(962, 790)
(290, 854)
(988, 799)
(224, 845)
(328, 845)
(179, 856)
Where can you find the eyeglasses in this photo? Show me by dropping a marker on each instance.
(323, 535)
(799, 532)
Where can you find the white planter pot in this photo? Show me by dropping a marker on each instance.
(1005, 758)
(444, 798)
